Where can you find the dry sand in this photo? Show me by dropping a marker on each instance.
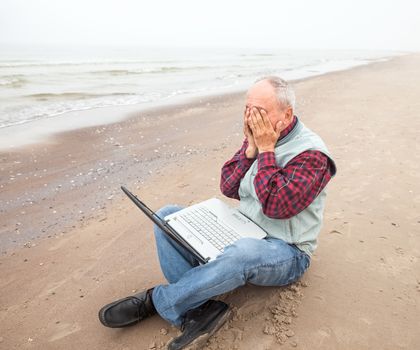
(71, 242)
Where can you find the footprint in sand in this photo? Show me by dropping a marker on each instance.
(324, 334)
(64, 330)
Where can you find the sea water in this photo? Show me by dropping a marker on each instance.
(43, 83)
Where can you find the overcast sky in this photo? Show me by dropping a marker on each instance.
(364, 24)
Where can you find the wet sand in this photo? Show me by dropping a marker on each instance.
(71, 242)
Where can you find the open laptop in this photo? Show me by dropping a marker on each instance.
(203, 229)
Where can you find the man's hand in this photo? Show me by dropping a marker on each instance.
(252, 150)
(265, 136)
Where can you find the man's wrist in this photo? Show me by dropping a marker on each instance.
(268, 149)
(251, 153)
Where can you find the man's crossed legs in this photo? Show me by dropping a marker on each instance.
(186, 300)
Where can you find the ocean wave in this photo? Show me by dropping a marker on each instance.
(7, 123)
(53, 108)
(73, 95)
(145, 67)
(258, 55)
(118, 72)
(12, 80)
(154, 70)
(28, 64)
(50, 105)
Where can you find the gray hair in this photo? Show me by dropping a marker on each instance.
(284, 92)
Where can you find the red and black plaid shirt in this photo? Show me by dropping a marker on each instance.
(283, 192)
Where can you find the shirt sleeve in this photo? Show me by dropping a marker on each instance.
(285, 192)
(233, 171)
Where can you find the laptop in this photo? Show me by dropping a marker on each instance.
(203, 229)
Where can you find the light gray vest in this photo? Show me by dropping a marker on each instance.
(303, 228)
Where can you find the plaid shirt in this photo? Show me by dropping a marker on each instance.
(283, 192)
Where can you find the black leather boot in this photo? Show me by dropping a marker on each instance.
(199, 324)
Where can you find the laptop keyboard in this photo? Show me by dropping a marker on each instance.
(202, 220)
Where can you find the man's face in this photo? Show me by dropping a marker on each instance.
(262, 96)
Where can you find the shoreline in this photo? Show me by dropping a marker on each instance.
(42, 130)
(363, 285)
(101, 116)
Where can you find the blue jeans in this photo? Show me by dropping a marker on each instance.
(266, 262)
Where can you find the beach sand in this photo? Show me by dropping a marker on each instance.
(71, 242)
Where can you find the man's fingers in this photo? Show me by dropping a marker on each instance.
(264, 118)
(254, 122)
(247, 129)
(248, 116)
(257, 119)
(251, 123)
(263, 121)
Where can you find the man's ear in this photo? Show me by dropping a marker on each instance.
(289, 115)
